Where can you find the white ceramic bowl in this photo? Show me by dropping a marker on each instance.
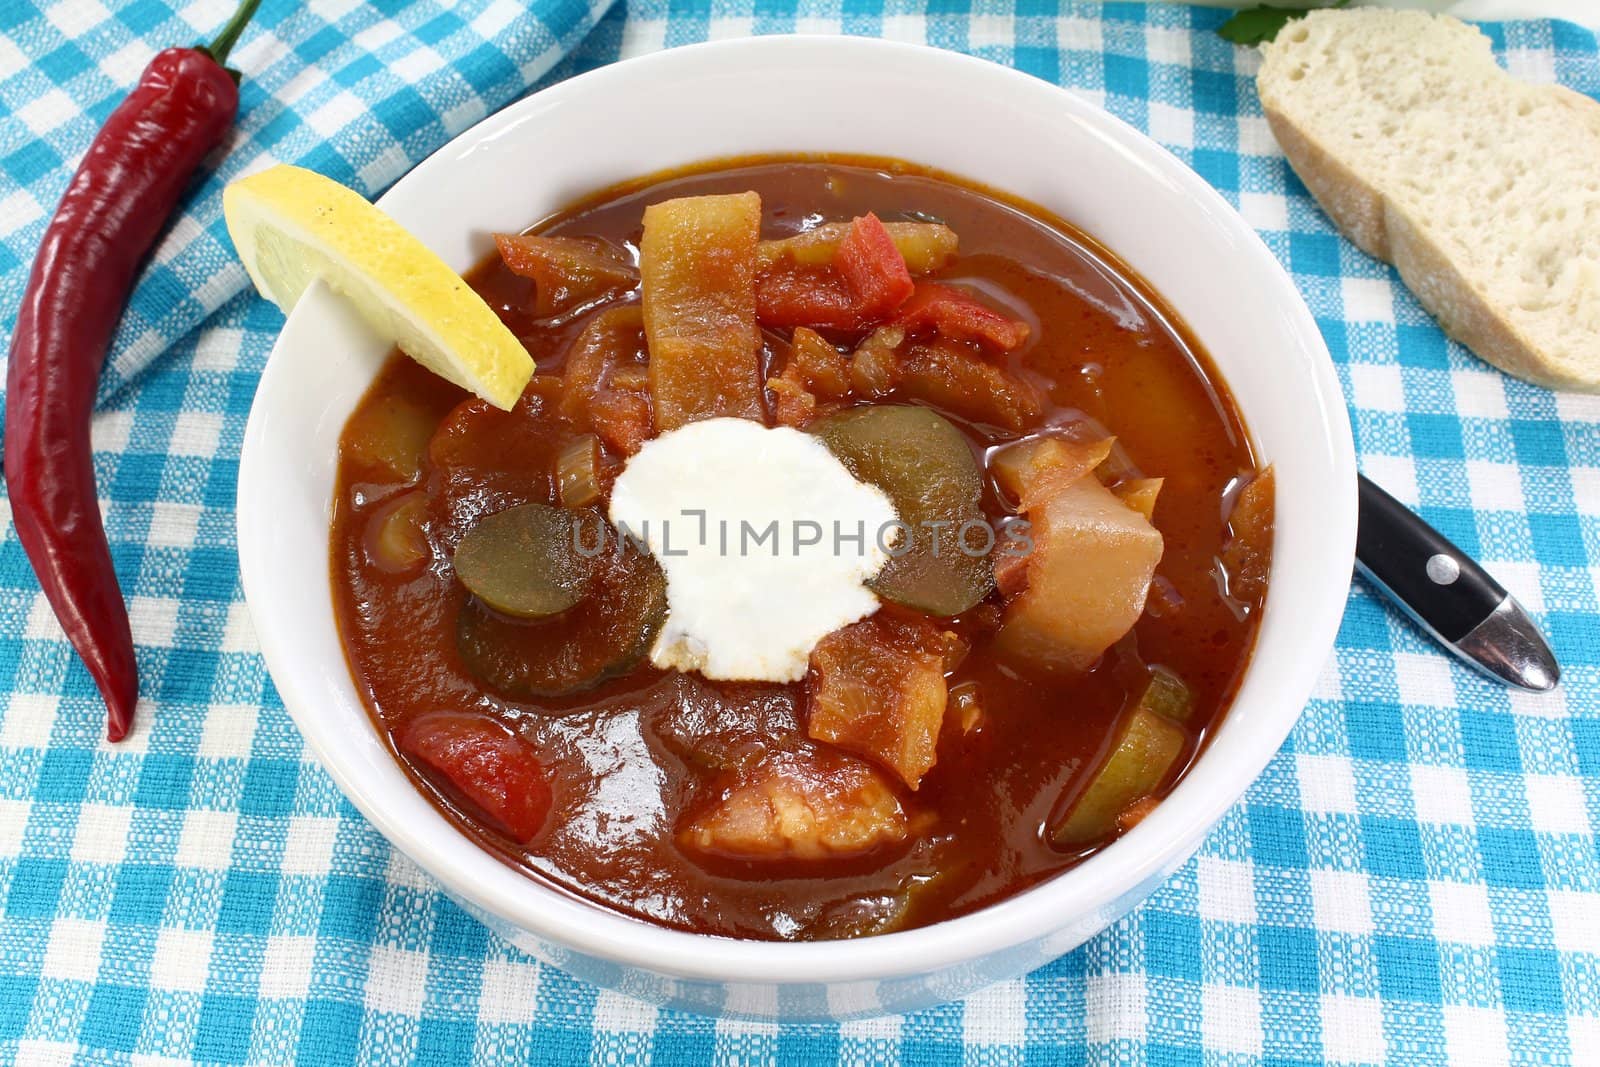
(815, 94)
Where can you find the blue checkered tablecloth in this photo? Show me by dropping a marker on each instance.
(1415, 879)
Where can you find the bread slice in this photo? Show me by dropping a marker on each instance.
(1482, 190)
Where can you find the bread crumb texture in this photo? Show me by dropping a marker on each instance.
(1484, 191)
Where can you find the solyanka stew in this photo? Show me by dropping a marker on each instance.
(990, 717)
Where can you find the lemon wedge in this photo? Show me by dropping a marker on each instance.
(293, 226)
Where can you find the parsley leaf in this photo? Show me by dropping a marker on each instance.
(1257, 25)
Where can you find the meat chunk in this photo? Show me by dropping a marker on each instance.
(485, 460)
(950, 375)
(722, 726)
(822, 368)
(1248, 554)
(698, 260)
(801, 804)
(815, 374)
(878, 689)
(875, 364)
(793, 405)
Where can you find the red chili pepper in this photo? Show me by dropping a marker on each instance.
(115, 207)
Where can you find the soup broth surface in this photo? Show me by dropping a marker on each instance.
(627, 760)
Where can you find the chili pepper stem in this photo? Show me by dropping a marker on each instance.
(219, 48)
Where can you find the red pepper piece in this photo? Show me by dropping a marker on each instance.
(873, 269)
(952, 313)
(867, 280)
(116, 205)
(492, 768)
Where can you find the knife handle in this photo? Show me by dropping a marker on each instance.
(1449, 595)
(1442, 586)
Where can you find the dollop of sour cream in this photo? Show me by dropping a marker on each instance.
(766, 539)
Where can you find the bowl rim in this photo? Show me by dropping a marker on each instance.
(1146, 853)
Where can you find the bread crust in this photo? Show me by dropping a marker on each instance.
(1379, 227)
(1355, 206)
(1466, 313)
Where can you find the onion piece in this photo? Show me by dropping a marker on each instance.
(926, 246)
(577, 471)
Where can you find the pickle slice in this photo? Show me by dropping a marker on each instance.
(923, 463)
(524, 561)
(607, 633)
(1147, 747)
(1167, 694)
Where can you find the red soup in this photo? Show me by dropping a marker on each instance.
(1000, 714)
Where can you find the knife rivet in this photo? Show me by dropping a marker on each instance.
(1443, 569)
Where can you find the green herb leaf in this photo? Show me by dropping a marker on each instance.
(1258, 25)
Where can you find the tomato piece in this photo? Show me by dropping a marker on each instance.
(789, 298)
(866, 281)
(485, 763)
(873, 269)
(605, 389)
(566, 271)
(926, 246)
(952, 313)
